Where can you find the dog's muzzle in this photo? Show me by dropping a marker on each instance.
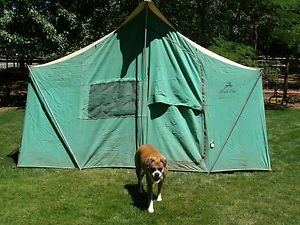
(157, 176)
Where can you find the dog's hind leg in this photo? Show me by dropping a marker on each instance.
(140, 175)
(140, 185)
(159, 198)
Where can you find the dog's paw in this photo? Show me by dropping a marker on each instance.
(159, 198)
(151, 209)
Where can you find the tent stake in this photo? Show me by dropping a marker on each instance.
(55, 121)
(237, 118)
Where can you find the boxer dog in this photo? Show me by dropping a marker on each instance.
(150, 162)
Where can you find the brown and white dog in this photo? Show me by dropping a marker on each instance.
(150, 162)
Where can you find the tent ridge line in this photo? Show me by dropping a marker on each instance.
(216, 56)
(55, 121)
(235, 122)
(76, 53)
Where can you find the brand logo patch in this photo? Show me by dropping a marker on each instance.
(228, 88)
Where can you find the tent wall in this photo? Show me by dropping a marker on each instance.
(114, 93)
(226, 91)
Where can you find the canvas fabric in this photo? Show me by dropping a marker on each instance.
(115, 95)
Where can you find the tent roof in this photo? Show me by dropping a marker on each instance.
(216, 56)
(140, 8)
(75, 53)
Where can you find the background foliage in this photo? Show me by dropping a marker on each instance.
(49, 29)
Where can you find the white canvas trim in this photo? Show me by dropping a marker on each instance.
(216, 56)
(75, 53)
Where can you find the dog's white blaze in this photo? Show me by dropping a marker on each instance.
(151, 209)
(160, 175)
(159, 198)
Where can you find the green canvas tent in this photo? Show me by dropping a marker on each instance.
(145, 83)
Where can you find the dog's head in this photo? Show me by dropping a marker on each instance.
(156, 167)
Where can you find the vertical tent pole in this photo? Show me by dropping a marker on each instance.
(144, 72)
(237, 118)
(55, 121)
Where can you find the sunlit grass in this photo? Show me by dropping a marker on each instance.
(108, 196)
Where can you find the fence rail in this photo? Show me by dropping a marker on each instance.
(19, 63)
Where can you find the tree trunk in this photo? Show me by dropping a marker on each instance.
(255, 37)
(285, 84)
(6, 56)
(202, 10)
(22, 63)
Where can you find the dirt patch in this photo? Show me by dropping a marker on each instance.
(2, 109)
(278, 105)
(13, 88)
(272, 98)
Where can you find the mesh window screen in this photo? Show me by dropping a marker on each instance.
(113, 99)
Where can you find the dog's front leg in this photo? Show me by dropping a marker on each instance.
(150, 196)
(159, 198)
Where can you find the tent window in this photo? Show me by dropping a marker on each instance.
(114, 99)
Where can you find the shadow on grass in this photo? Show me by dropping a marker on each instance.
(14, 155)
(234, 172)
(140, 200)
(270, 106)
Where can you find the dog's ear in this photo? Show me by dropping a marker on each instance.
(149, 161)
(164, 161)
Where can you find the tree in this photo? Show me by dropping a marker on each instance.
(28, 29)
(285, 37)
(49, 29)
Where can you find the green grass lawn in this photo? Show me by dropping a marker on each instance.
(108, 196)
